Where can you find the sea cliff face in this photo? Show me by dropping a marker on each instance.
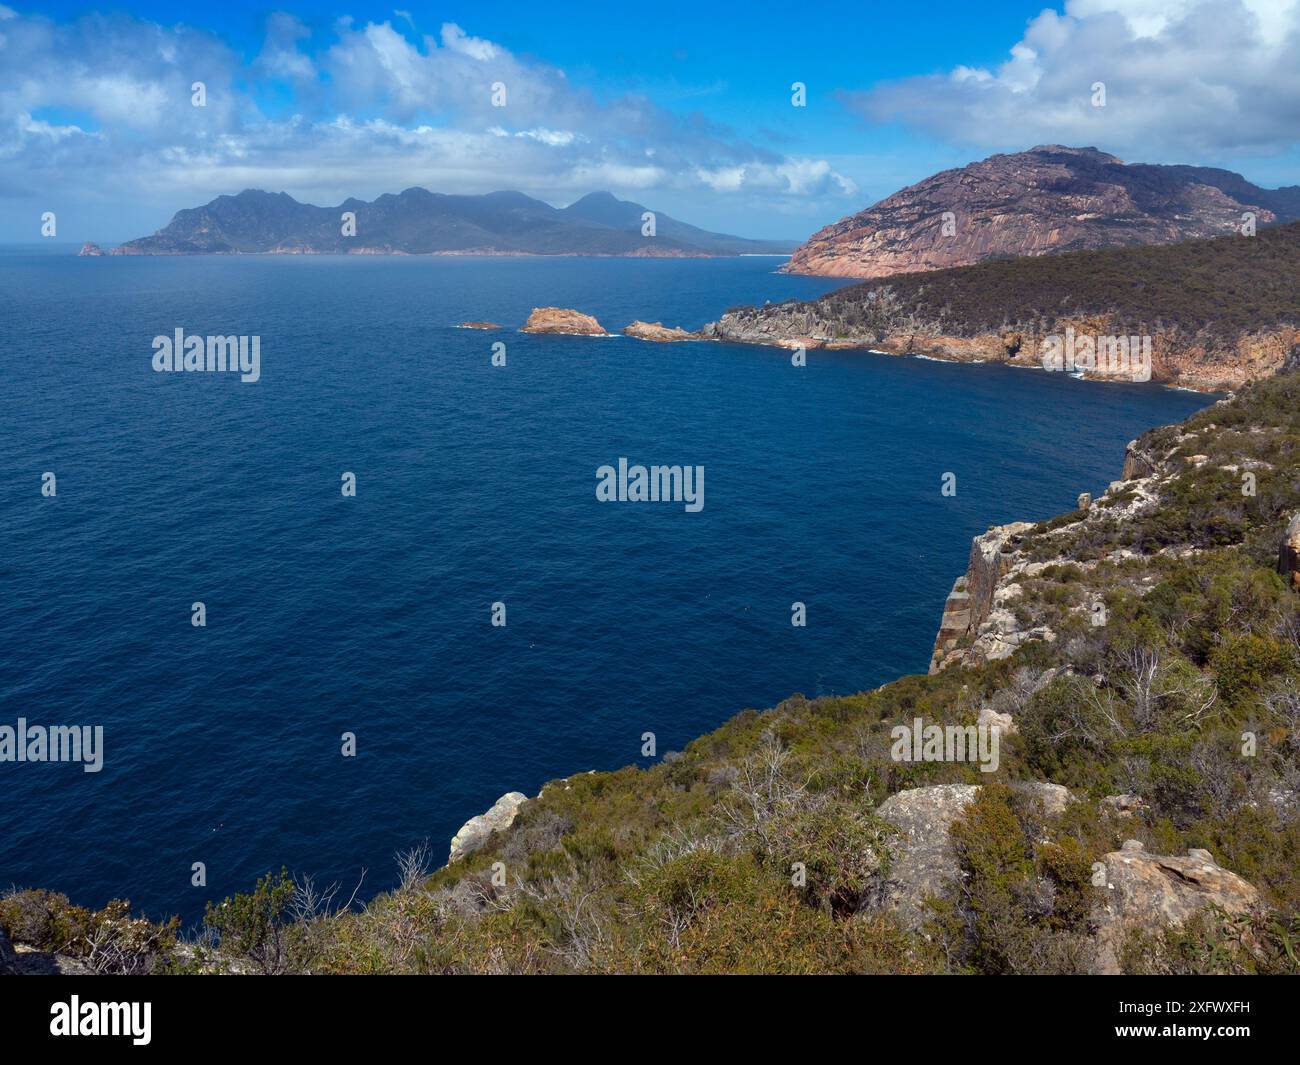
(1201, 363)
(993, 610)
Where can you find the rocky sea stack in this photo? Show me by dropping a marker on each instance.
(563, 320)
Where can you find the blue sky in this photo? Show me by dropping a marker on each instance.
(685, 107)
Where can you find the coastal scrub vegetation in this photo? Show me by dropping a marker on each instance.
(759, 847)
(1212, 290)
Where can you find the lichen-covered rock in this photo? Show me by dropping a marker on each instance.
(475, 832)
(924, 861)
(1152, 891)
(1141, 890)
(563, 320)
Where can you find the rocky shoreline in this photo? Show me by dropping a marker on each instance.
(1198, 367)
(1256, 356)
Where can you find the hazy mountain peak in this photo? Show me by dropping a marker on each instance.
(418, 221)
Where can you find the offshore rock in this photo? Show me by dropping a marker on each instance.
(563, 320)
(658, 332)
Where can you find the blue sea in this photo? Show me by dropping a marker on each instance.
(475, 484)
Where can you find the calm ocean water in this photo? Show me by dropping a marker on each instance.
(475, 484)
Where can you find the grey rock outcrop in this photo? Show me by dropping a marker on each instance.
(1141, 890)
(1137, 462)
(924, 859)
(990, 718)
(972, 598)
(1122, 805)
(475, 832)
(1151, 891)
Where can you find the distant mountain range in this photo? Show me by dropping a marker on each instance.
(419, 222)
(1048, 199)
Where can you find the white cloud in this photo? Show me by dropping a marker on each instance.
(454, 37)
(280, 56)
(604, 175)
(796, 177)
(100, 106)
(1183, 78)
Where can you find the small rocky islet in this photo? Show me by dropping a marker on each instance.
(564, 321)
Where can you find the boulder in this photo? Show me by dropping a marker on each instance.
(1122, 805)
(1288, 561)
(1151, 891)
(563, 320)
(1054, 798)
(990, 718)
(475, 832)
(924, 859)
(1084, 501)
